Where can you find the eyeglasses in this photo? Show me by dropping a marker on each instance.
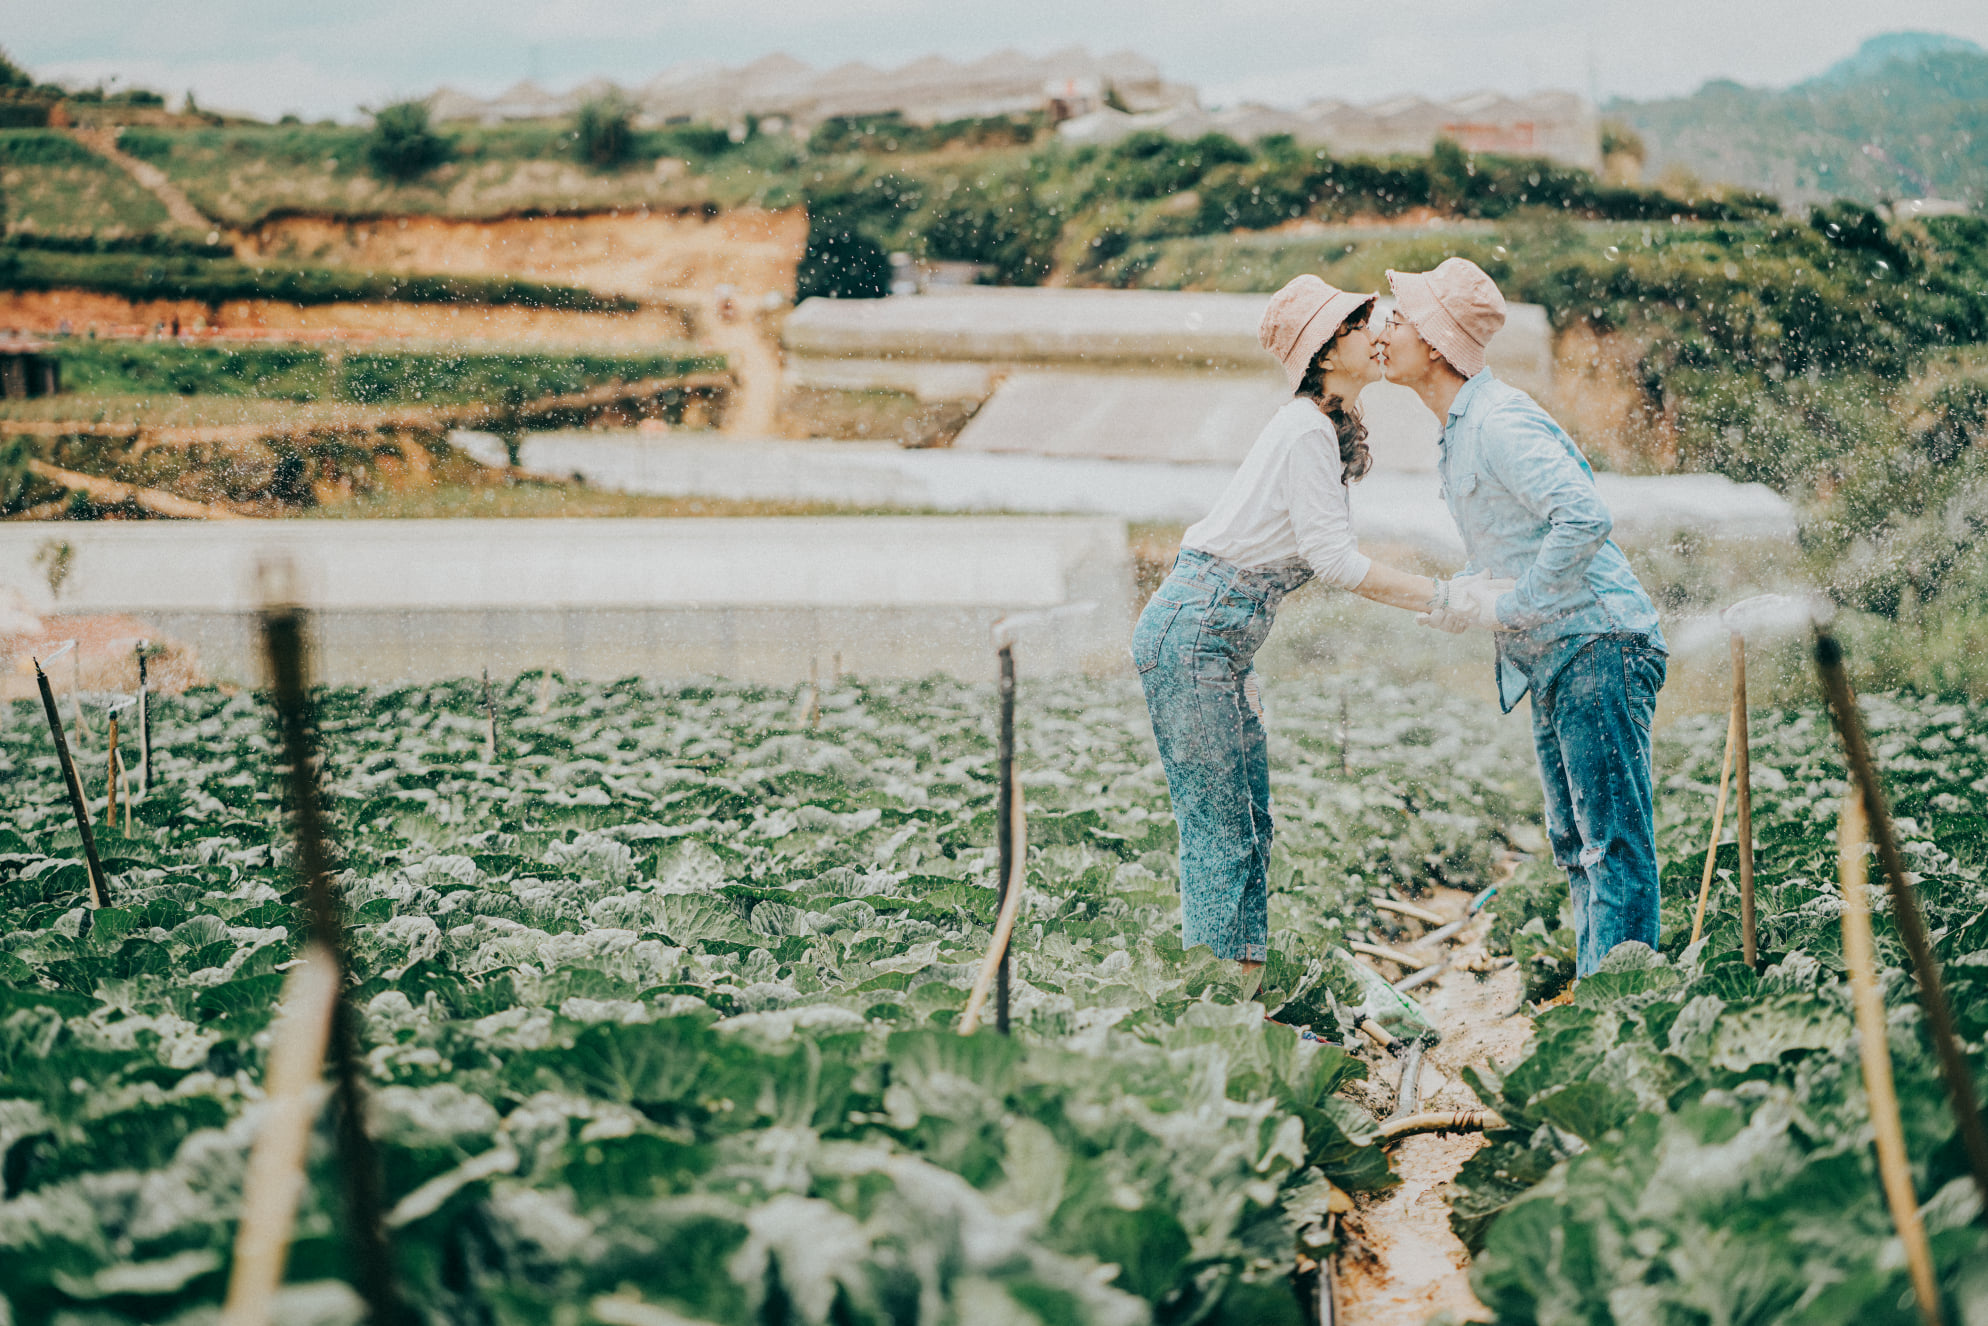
(1393, 320)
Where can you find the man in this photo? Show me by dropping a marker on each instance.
(1576, 629)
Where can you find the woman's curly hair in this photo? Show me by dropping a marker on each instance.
(1345, 415)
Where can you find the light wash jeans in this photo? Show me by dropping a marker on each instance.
(1193, 647)
(1592, 731)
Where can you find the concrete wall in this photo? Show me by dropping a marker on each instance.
(749, 599)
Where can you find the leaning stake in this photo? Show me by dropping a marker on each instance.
(1004, 932)
(1004, 820)
(1894, 1167)
(1718, 827)
(359, 1168)
(291, 1101)
(99, 886)
(1743, 788)
(1904, 906)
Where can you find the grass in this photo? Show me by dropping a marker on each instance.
(52, 185)
(500, 499)
(242, 175)
(142, 276)
(306, 374)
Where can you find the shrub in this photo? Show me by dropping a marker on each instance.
(602, 136)
(401, 146)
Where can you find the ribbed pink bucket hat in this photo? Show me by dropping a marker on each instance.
(1302, 317)
(1457, 308)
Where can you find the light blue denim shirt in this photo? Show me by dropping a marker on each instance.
(1525, 499)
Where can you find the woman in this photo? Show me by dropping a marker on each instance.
(1282, 520)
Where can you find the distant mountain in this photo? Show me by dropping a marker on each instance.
(1875, 54)
(1906, 116)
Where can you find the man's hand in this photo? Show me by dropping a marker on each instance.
(1466, 602)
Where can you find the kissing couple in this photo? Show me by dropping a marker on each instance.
(1572, 624)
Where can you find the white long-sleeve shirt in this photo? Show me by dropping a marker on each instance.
(1287, 501)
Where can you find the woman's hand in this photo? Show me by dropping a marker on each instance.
(1465, 602)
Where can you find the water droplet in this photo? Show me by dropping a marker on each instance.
(1612, 253)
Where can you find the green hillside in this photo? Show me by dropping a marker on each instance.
(1901, 119)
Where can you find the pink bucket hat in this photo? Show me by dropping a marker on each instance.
(1302, 317)
(1457, 308)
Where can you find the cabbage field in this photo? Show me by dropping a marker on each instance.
(659, 1006)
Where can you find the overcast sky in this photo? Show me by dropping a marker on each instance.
(327, 59)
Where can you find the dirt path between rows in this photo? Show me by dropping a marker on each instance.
(1408, 1266)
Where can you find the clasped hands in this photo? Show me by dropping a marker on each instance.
(1467, 601)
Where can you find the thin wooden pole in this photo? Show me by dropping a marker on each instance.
(76, 698)
(359, 1168)
(1904, 907)
(1004, 811)
(1743, 780)
(490, 718)
(291, 1099)
(1718, 827)
(144, 724)
(99, 886)
(1874, 1049)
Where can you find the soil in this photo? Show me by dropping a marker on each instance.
(47, 311)
(1404, 1264)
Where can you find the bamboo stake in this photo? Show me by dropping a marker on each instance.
(99, 895)
(293, 1095)
(1718, 827)
(359, 1168)
(1904, 907)
(110, 777)
(996, 961)
(1873, 1048)
(1743, 786)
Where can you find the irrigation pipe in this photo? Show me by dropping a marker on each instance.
(293, 1094)
(1416, 980)
(1410, 910)
(1004, 926)
(359, 1168)
(1718, 827)
(1873, 1047)
(1904, 907)
(99, 886)
(1406, 961)
(1407, 1091)
(1439, 1121)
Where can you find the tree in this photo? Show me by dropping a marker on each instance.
(841, 262)
(602, 134)
(402, 147)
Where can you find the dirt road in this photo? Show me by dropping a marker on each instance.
(1414, 1265)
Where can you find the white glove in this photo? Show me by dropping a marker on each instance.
(1467, 601)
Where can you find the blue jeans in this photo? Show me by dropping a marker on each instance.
(1193, 647)
(1592, 731)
